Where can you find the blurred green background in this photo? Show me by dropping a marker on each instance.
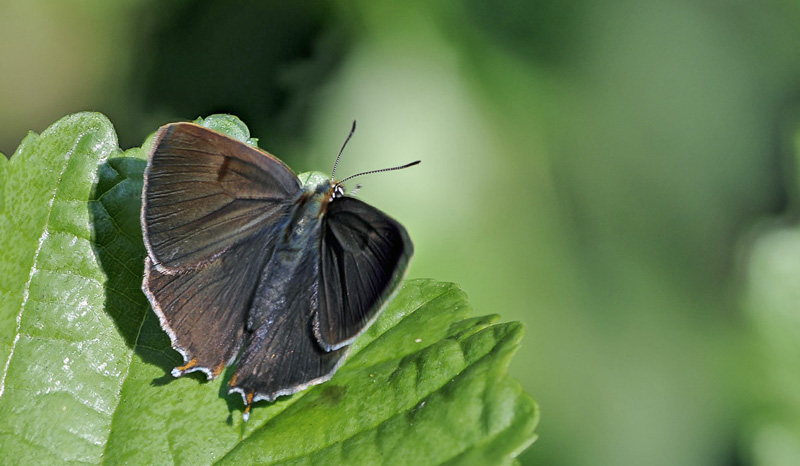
(619, 175)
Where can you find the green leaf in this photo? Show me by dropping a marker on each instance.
(84, 365)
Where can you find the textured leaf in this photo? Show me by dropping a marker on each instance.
(84, 365)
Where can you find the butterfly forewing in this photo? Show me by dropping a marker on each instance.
(364, 254)
(205, 192)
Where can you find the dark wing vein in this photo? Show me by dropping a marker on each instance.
(364, 256)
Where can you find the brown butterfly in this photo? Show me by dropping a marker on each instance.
(248, 264)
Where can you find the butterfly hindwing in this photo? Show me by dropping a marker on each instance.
(204, 310)
(205, 192)
(364, 255)
(280, 355)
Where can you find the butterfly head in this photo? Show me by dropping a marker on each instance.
(337, 190)
(318, 185)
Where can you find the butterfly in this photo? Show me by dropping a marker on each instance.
(246, 264)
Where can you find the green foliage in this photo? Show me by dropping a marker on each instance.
(772, 296)
(84, 365)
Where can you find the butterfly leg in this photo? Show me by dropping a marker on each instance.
(180, 370)
(248, 404)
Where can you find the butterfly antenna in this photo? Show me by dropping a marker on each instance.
(336, 163)
(381, 170)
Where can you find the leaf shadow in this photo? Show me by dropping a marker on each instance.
(117, 242)
(233, 400)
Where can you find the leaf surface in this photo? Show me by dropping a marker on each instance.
(85, 366)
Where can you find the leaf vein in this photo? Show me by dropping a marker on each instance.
(71, 274)
(26, 287)
(111, 218)
(407, 315)
(422, 398)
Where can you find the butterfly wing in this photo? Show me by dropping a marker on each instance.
(210, 208)
(281, 355)
(205, 192)
(363, 256)
(204, 309)
(312, 301)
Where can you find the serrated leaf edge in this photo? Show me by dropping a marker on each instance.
(508, 343)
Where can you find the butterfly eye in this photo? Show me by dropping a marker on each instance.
(338, 191)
